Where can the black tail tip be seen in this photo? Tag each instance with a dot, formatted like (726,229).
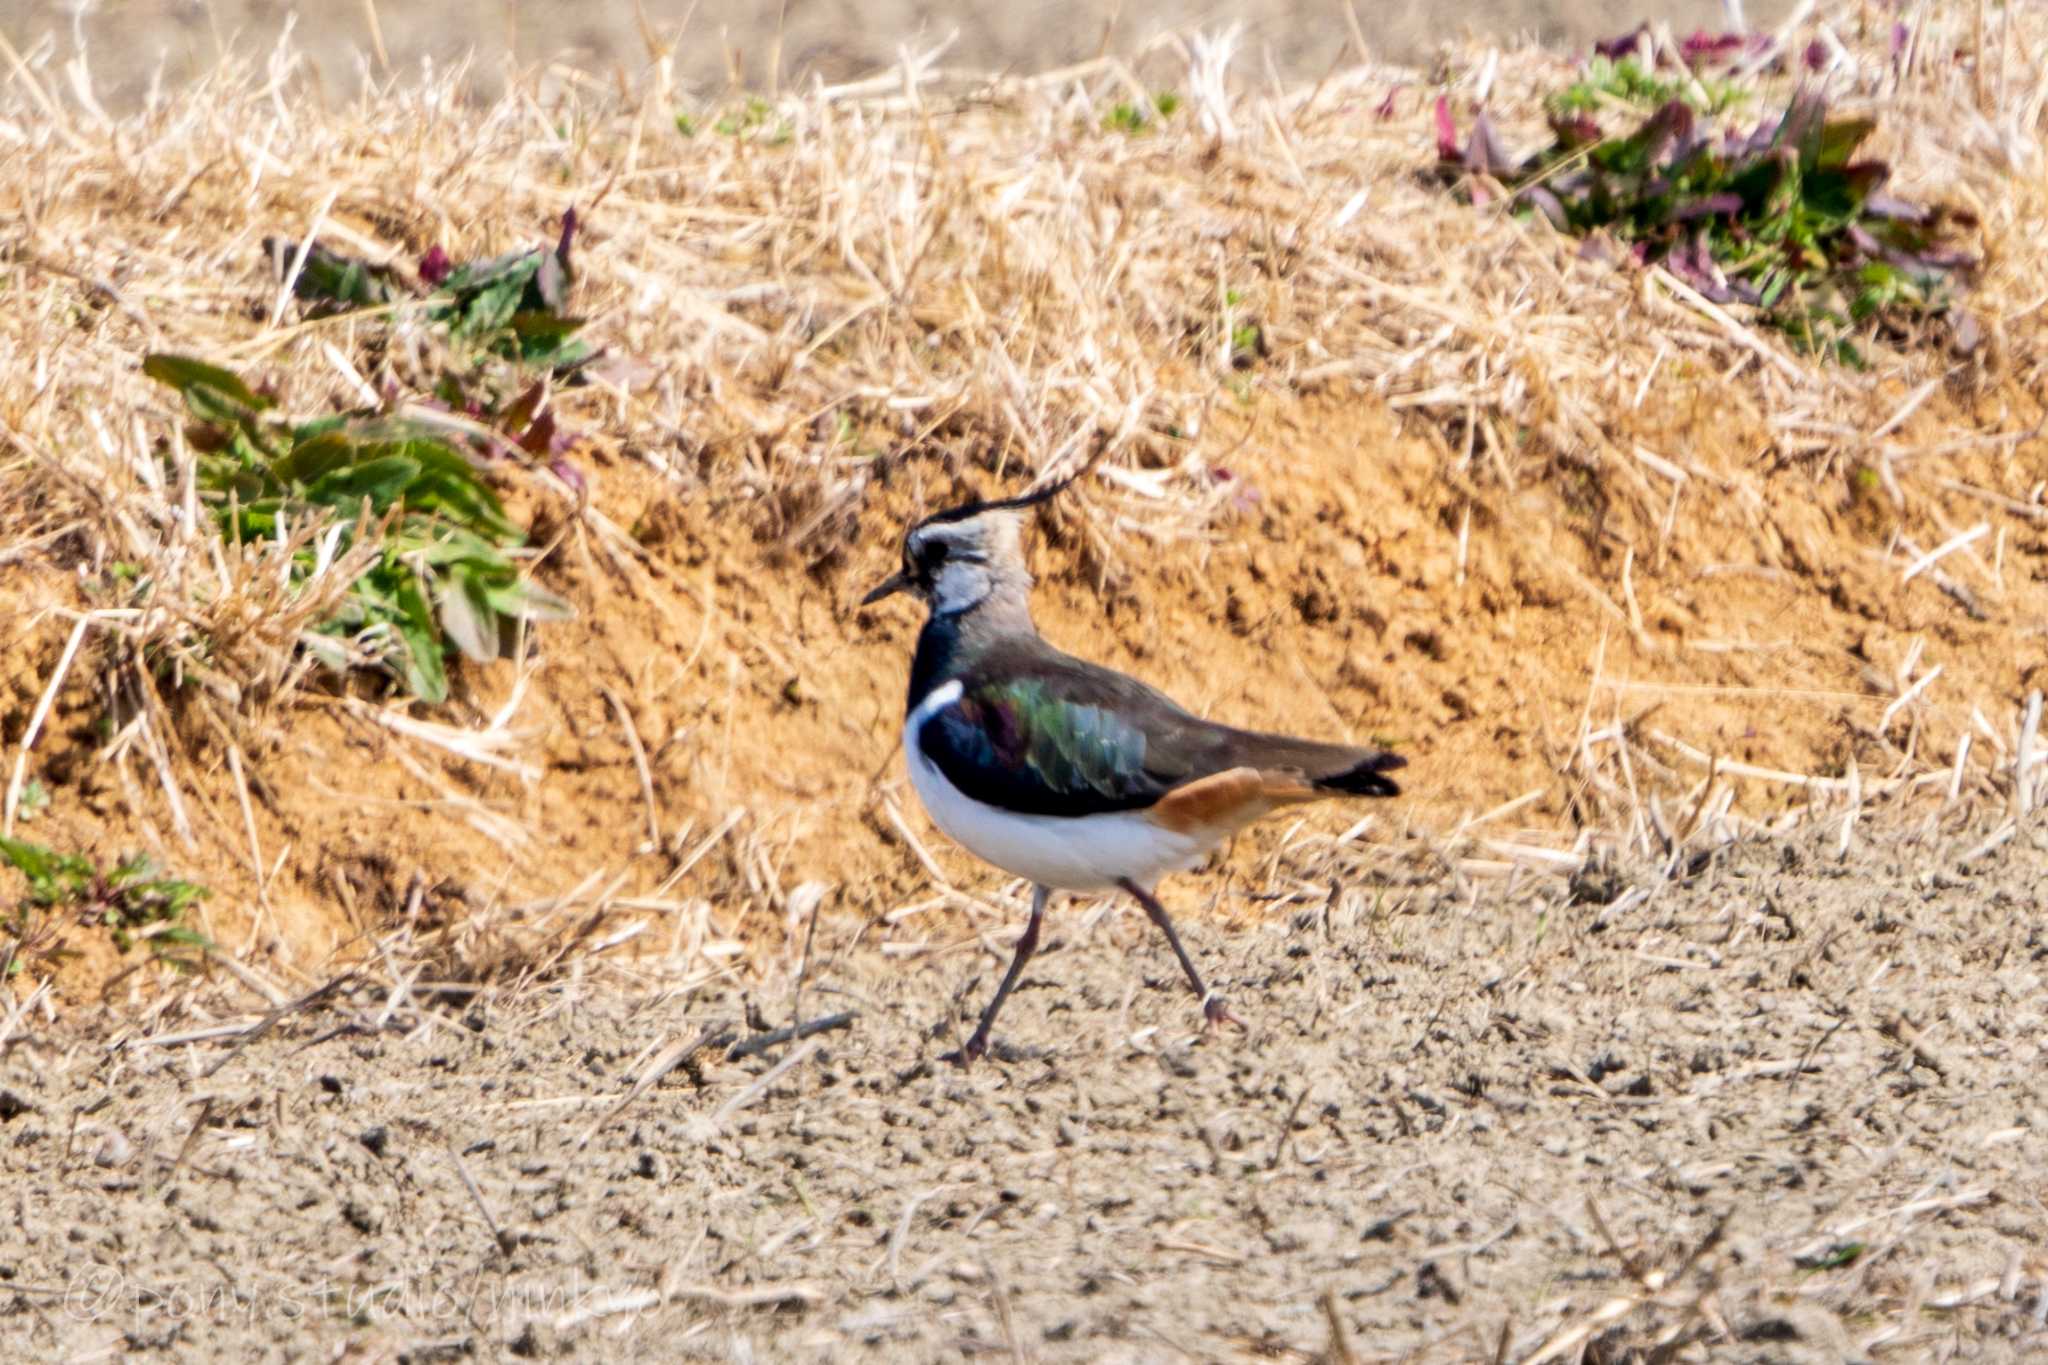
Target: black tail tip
(1366,779)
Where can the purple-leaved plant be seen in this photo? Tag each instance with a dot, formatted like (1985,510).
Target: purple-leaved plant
(1785,217)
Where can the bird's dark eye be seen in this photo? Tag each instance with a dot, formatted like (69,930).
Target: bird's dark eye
(925,556)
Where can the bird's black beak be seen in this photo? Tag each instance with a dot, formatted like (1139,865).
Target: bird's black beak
(894,584)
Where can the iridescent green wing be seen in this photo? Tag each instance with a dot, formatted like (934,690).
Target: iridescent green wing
(1045,746)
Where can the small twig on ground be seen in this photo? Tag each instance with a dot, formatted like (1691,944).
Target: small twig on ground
(901,1232)
(706,1129)
(1806,1062)
(242,973)
(639,752)
(1899,1030)
(1340,1335)
(1287,1128)
(2023,760)
(757,1297)
(1705,1245)
(1007,1320)
(664,1062)
(1626,1261)
(611,1306)
(1216,1254)
(761,1042)
(191,1138)
(507,1241)
(275,1017)
(803,966)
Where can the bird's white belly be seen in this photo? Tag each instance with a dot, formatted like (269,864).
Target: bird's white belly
(1067,853)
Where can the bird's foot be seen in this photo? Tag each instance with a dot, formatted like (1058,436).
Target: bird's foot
(1217,1014)
(971,1052)
(996,1052)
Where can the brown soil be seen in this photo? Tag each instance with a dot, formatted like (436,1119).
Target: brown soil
(1329,603)
(1370,570)
(1445,1107)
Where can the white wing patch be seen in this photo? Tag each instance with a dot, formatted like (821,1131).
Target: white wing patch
(935,701)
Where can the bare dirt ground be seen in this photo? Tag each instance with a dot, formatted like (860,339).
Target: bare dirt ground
(766,44)
(1790,1106)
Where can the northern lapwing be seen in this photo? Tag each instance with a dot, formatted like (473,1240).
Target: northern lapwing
(1066,773)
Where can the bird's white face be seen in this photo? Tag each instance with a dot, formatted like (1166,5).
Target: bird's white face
(953,566)
(949,565)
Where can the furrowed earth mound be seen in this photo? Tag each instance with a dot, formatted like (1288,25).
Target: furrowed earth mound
(1371,463)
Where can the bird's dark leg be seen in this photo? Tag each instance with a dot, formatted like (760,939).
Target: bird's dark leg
(1213,1008)
(1027,944)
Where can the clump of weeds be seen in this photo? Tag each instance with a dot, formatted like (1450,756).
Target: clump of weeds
(132,901)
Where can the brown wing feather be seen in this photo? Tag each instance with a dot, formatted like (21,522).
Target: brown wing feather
(1184,751)
(1228,800)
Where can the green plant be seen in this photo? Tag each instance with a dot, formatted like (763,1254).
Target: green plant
(445,575)
(1247,337)
(35,798)
(335,281)
(744,119)
(512,306)
(755,119)
(126,901)
(1784,219)
(515,305)
(1835,1256)
(1131,117)
(1605,82)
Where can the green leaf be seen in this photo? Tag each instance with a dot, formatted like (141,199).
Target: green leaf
(426,674)
(384,481)
(527,600)
(467,618)
(535,328)
(186,374)
(463,497)
(1834,1257)
(478,275)
(492,308)
(1853,184)
(256,520)
(1774,284)
(318,426)
(440,544)
(1839,140)
(316,454)
(36,863)
(330,277)
(131,870)
(231,412)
